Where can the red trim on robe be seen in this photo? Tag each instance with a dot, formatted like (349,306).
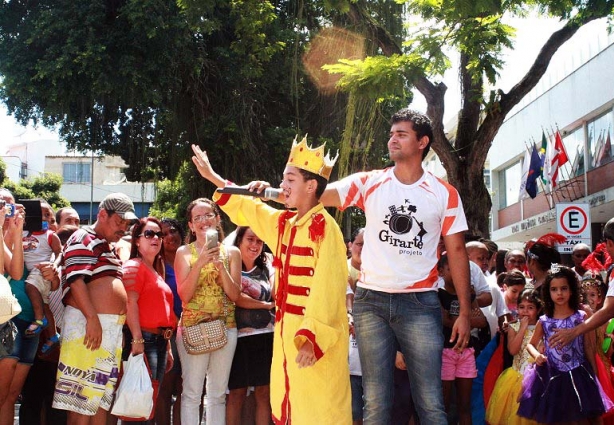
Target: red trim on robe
(312,338)
(224,198)
(303,251)
(294,309)
(300,271)
(282,296)
(298,290)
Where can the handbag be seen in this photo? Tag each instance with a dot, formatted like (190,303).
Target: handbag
(205,337)
(8,332)
(9,306)
(137,391)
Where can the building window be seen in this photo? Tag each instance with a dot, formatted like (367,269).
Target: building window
(509,185)
(600,140)
(574,145)
(76,172)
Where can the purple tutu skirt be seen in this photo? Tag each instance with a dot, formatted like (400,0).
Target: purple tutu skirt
(549,395)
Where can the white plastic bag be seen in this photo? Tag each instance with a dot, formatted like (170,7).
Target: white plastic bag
(134,397)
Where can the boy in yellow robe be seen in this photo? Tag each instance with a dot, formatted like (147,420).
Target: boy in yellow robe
(309,374)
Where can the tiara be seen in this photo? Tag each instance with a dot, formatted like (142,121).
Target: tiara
(555,268)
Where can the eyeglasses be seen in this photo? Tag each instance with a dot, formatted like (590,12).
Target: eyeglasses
(149,234)
(201,218)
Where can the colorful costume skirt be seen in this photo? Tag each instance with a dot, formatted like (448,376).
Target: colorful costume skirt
(503,404)
(545,389)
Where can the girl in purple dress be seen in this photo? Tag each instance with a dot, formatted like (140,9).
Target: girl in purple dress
(561,387)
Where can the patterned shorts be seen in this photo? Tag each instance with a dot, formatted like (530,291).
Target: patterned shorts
(86,379)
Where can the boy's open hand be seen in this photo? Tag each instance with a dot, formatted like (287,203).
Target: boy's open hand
(201,160)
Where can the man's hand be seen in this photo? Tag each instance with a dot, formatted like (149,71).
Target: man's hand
(259,185)
(306,357)
(50,273)
(461,332)
(399,361)
(93,333)
(562,337)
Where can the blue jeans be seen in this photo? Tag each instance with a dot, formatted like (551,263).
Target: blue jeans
(414,321)
(357,402)
(24,349)
(156,351)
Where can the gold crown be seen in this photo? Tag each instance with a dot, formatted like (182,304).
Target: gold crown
(311,159)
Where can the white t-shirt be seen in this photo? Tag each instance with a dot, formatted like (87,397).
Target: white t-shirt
(498,307)
(477,280)
(610,292)
(404,224)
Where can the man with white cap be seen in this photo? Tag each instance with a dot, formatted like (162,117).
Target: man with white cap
(94,316)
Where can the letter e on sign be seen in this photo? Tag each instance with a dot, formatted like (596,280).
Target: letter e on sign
(573,222)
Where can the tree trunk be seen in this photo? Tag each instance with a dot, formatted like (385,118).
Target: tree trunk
(468,179)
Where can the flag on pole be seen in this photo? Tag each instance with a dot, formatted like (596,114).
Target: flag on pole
(525,173)
(542,156)
(556,157)
(534,173)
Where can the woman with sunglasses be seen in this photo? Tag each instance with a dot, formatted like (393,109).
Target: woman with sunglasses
(150,317)
(208,282)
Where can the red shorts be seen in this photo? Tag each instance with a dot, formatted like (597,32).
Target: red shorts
(455,364)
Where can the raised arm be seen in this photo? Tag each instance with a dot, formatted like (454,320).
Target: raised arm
(13,246)
(201,160)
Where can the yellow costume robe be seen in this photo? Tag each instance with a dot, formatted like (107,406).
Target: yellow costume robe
(310,305)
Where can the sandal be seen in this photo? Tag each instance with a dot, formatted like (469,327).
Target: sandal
(36,327)
(50,344)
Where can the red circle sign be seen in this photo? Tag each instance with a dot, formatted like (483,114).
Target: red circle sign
(578,230)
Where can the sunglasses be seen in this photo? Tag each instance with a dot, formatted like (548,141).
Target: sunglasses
(149,234)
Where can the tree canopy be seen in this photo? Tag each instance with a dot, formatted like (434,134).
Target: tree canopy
(144,79)
(478,32)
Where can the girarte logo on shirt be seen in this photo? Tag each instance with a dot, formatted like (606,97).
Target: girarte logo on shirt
(400,221)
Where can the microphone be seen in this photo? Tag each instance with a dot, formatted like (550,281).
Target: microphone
(268,193)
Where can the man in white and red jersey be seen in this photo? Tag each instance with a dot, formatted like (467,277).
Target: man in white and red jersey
(94,316)
(406,209)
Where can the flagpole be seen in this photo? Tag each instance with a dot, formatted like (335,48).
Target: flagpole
(569,177)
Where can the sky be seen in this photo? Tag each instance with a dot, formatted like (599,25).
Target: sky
(12,132)
(531,35)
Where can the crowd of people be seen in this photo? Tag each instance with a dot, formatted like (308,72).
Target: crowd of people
(409,322)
